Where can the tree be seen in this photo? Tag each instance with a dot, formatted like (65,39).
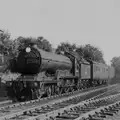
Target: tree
(115,62)
(5,43)
(5,50)
(87,51)
(90,52)
(65,46)
(44,44)
(41,43)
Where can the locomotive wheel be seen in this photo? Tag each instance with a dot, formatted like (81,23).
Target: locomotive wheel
(66,89)
(56,90)
(36,94)
(49,91)
(53,89)
(39,93)
(60,91)
(72,89)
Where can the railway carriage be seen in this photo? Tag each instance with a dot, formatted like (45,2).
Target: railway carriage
(45,74)
(100,72)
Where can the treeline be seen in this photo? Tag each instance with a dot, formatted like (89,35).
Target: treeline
(115,62)
(11,47)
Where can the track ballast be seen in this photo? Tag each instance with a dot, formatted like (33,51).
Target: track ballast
(31,108)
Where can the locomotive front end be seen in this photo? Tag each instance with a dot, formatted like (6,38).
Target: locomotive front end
(28,61)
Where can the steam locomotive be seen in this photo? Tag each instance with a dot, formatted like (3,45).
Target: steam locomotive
(46,74)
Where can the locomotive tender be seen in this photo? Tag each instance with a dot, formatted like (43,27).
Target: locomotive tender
(45,74)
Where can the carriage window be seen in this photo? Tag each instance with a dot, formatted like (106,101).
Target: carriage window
(98,68)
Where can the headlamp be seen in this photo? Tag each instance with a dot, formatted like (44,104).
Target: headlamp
(28,49)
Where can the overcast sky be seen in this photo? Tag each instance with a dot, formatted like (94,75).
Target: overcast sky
(96,22)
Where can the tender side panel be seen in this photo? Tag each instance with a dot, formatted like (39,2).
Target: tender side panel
(85,71)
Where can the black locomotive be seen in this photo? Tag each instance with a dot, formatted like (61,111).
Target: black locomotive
(45,74)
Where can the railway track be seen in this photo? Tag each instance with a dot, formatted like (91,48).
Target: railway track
(27,110)
(86,110)
(9,102)
(5,102)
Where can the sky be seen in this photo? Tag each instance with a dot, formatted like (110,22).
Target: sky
(95,22)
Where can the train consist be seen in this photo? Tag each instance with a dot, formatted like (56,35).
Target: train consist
(45,74)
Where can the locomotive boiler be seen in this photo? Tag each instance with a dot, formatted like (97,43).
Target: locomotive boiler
(32,60)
